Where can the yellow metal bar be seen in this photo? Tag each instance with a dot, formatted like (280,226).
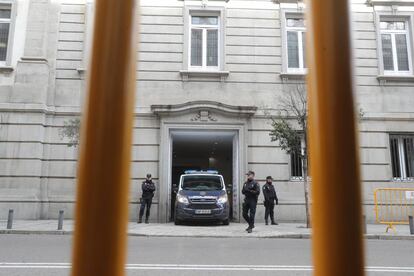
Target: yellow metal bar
(393,205)
(376,205)
(336,195)
(407,208)
(387,207)
(390,204)
(381,206)
(401,217)
(103,176)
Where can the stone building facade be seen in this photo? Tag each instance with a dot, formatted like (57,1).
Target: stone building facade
(209,74)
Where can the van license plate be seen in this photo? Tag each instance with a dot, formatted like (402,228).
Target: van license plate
(203,211)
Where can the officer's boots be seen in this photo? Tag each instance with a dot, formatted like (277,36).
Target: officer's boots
(146,220)
(140,220)
(273,222)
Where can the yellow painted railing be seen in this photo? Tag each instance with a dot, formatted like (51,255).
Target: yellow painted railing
(393,206)
(105,145)
(336,219)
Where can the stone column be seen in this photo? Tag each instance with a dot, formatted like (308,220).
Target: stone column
(32,82)
(32,71)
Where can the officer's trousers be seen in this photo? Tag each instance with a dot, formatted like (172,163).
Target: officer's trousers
(145,202)
(249,210)
(269,210)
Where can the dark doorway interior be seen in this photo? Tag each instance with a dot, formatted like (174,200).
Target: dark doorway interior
(202,150)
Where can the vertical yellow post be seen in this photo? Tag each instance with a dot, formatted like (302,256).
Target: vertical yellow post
(336,195)
(376,205)
(103,176)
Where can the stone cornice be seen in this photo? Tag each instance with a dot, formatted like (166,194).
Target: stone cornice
(163,110)
(6,69)
(287,1)
(34,59)
(38,108)
(390,2)
(186,74)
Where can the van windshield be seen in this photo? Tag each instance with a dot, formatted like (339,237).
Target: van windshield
(202,183)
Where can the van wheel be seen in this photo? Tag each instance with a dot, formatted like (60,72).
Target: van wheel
(226,222)
(177,221)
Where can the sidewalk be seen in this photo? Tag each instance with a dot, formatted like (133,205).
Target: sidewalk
(234,230)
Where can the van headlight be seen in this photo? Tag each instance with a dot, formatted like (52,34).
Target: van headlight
(222,199)
(182,199)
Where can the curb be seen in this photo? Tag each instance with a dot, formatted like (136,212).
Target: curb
(387,237)
(277,236)
(36,232)
(281,236)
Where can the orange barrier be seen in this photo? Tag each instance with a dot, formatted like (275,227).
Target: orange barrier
(393,206)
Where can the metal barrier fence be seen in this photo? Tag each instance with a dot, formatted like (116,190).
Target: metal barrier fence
(393,206)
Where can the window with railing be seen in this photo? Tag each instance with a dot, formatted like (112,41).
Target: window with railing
(296,166)
(402,156)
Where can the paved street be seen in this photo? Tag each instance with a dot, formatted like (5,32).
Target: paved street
(50,255)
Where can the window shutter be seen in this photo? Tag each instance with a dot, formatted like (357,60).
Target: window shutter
(402,53)
(395,157)
(5,16)
(409,154)
(212,48)
(293,49)
(304,48)
(387,52)
(196,47)
(4,40)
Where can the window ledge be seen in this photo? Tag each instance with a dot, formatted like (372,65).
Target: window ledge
(6,69)
(214,0)
(81,70)
(299,179)
(286,1)
(390,2)
(29,59)
(397,78)
(408,179)
(186,74)
(292,76)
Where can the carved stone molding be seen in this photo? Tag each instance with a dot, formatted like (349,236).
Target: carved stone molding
(203,116)
(201,107)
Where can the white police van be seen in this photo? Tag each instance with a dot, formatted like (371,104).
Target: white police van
(201,196)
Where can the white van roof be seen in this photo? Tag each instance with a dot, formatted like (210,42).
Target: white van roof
(201,172)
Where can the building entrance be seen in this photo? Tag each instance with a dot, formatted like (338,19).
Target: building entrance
(202,150)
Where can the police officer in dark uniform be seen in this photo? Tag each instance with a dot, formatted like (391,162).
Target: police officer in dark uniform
(148,189)
(251,191)
(270,198)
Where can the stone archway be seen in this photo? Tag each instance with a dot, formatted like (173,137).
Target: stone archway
(201,116)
